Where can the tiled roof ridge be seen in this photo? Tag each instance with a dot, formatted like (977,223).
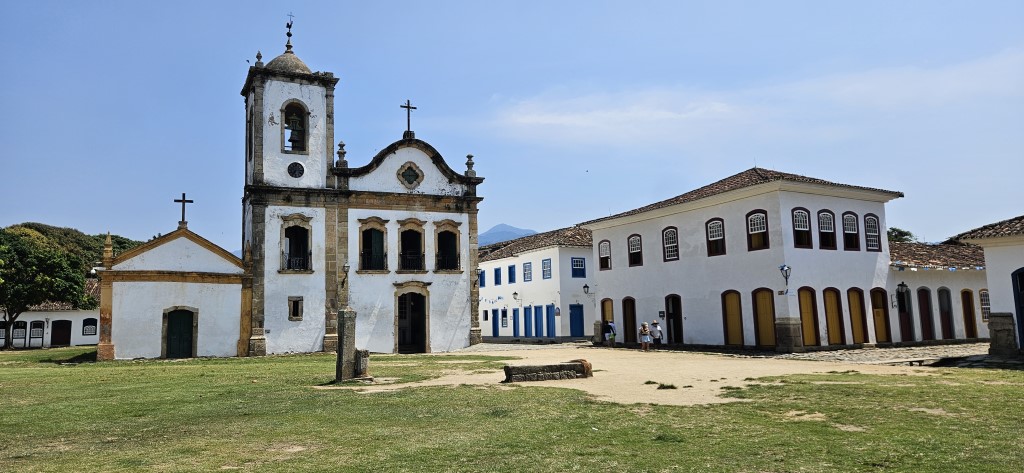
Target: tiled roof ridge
(936,255)
(748,178)
(567,236)
(1008,227)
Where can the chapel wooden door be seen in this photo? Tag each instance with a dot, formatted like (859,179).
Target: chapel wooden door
(179,334)
(412,323)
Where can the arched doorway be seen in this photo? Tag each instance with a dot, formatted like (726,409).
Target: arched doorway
(412,323)
(60,333)
(924,310)
(967,306)
(858,320)
(179,337)
(764,317)
(808,316)
(905,307)
(880,314)
(1017,278)
(674,318)
(834,317)
(946,313)
(629,320)
(732,318)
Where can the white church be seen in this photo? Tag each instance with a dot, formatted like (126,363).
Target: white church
(393,239)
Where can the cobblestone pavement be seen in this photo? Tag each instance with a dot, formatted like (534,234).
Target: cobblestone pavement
(960,355)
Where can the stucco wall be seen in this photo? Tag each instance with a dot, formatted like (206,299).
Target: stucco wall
(284,335)
(562,290)
(180,254)
(933,280)
(138,309)
(77,318)
(316,159)
(373,295)
(700,280)
(385,177)
(1000,263)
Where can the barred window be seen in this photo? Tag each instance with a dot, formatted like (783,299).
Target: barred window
(986,304)
(89,326)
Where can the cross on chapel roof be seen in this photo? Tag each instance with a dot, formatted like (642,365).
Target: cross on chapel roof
(183,223)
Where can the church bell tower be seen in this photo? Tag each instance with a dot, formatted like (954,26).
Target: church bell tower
(289,135)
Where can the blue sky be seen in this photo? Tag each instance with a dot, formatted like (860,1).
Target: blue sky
(574,109)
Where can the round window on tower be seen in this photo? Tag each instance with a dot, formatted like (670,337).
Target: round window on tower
(295,170)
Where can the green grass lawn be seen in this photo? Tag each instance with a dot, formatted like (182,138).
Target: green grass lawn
(265,414)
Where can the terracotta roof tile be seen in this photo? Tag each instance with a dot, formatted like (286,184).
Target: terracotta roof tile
(944,255)
(571,236)
(1009,227)
(748,178)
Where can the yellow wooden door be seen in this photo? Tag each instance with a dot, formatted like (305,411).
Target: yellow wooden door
(607,310)
(808,317)
(857,322)
(733,319)
(833,317)
(879,313)
(764,313)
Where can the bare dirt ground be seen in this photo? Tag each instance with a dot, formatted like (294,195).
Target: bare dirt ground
(620,374)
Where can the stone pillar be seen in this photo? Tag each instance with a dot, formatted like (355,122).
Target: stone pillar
(598,336)
(346,365)
(1002,335)
(105,348)
(789,337)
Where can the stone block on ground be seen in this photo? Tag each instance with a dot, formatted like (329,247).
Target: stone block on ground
(568,370)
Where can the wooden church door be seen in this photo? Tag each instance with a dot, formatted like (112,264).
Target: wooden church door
(412,323)
(179,334)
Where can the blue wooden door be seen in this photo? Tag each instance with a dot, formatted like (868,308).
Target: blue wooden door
(494,322)
(551,320)
(528,320)
(515,322)
(538,320)
(576,320)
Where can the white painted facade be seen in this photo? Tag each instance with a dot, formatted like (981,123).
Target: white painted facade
(1004,261)
(561,291)
(46,320)
(933,281)
(701,280)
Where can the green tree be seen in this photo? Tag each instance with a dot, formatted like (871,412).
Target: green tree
(900,235)
(33,271)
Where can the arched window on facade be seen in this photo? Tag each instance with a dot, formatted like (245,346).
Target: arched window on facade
(872,233)
(802,228)
(447,245)
(851,232)
(670,243)
(636,250)
(715,236)
(826,230)
(410,245)
(757,230)
(604,255)
(373,254)
(294,128)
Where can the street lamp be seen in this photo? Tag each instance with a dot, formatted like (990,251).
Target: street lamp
(515,295)
(586,289)
(786,270)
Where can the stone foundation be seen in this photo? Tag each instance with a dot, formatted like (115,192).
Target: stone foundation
(568,370)
(789,337)
(1002,334)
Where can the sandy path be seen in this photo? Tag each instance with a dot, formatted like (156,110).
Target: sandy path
(619,374)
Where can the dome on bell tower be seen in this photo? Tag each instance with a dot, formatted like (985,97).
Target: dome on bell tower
(288,61)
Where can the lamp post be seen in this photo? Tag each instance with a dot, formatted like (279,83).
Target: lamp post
(586,289)
(786,270)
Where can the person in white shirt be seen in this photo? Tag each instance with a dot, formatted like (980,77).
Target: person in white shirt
(656,334)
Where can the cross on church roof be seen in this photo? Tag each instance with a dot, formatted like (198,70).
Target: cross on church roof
(183,201)
(408,119)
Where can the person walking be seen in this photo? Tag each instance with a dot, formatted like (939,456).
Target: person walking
(645,337)
(656,334)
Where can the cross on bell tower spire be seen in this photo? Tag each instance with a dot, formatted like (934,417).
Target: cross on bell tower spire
(288,45)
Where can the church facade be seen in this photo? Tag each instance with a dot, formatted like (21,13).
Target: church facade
(393,240)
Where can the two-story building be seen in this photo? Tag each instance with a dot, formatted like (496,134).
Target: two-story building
(537,287)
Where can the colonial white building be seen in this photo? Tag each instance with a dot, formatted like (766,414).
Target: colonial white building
(537,287)
(394,240)
(937,292)
(56,324)
(1004,257)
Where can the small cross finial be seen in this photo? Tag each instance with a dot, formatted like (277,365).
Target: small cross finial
(469,166)
(408,119)
(183,201)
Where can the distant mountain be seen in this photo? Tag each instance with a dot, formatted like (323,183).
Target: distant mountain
(502,232)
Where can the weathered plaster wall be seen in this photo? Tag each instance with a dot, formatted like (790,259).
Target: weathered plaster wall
(385,177)
(316,159)
(138,309)
(180,254)
(934,280)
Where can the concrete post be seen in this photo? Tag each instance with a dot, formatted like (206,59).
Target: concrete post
(1002,335)
(346,365)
